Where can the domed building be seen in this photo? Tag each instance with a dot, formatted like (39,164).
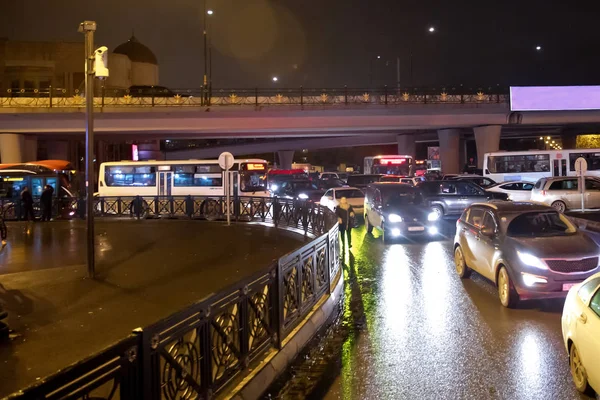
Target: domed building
(132,64)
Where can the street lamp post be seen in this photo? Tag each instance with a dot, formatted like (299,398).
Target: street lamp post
(204,36)
(88,28)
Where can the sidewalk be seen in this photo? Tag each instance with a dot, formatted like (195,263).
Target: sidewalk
(146,270)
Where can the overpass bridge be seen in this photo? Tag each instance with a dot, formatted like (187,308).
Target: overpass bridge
(360,116)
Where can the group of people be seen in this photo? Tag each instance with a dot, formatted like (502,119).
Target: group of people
(45,203)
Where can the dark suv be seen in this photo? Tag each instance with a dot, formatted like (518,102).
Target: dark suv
(453,197)
(362,181)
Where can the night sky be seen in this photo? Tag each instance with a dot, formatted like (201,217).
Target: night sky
(333,42)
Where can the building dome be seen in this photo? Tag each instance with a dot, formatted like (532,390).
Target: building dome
(136,51)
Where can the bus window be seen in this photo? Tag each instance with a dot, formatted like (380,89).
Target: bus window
(52,182)
(197,175)
(130,176)
(37,186)
(253,177)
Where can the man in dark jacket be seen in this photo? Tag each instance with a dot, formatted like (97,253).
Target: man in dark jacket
(27,203)
(46,203)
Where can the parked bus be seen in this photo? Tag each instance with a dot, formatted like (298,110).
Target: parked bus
(535,164)
(389,165)
(181,178)
(36,175)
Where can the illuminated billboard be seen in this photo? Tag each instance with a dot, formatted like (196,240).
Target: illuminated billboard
(554,98)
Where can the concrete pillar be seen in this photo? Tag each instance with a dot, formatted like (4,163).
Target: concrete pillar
(406,145)
(58,150)
(462,152)
(286,158)
(31,149)
(449,149)
(12,148)
(487,139)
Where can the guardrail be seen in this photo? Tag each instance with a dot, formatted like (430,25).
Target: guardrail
(257,97)
(196,352)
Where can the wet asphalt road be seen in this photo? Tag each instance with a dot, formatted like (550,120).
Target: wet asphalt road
(419,332)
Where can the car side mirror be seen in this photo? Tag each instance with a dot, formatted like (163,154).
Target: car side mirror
(488,231)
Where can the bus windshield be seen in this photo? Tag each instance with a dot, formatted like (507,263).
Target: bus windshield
(397,169)
(253,177)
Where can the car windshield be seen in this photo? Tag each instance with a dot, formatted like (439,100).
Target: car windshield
(349,194)
(547,223)
(402,196)
(304,186)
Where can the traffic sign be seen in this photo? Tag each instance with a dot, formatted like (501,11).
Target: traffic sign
(226,160)
(581,166)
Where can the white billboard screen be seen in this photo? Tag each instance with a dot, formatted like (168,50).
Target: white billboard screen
(554,98)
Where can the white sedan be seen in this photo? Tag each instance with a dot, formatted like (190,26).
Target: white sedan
(355,197)
(516,191)
(581,333)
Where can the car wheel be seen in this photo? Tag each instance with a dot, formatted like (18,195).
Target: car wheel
(506,291)
(460,264)
(368,224)
(578,371)
(559,206)
(438,210)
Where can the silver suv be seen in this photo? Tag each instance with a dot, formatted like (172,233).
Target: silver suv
(563,193)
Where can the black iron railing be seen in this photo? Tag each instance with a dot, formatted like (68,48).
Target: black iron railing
(257,97)
(196,352)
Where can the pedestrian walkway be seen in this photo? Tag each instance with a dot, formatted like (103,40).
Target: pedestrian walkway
(146,271)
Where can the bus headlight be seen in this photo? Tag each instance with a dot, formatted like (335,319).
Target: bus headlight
(394,218)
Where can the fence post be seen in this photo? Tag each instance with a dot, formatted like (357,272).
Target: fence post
(256,97)
(102,93)
(276,211)
(346,94)
(385,93)
(152,92)
(50,95)
(302,96)
(279,295)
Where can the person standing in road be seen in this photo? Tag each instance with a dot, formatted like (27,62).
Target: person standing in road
(345,214)
(46,203)
(27,202)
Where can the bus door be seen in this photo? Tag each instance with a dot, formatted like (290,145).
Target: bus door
(234,190)
(164,183)
(559,166)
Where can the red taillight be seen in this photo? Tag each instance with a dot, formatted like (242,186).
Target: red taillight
(543,192)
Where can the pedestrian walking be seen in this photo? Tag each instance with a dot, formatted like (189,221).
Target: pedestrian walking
(27,202)
(345,214)
(46,203)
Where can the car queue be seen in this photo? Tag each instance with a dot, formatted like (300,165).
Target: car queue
(512,233)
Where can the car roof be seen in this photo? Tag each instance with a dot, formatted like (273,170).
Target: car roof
(387,185)
(514,206)
(346,188)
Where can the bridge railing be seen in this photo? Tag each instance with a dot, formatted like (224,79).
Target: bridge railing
(198,351)
(257,97)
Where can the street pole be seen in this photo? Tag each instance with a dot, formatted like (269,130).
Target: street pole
(398,73)
(205,80)
(88,28)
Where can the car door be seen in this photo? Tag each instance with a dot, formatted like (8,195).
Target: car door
(592,193)
(470,231)
(485,246)
(327,199)
(469,194)
(588,339)
(449,196)
(376,211)
(524,192)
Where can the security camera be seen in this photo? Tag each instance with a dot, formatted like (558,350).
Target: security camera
(101,62)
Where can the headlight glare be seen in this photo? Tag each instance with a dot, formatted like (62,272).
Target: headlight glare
(394,218)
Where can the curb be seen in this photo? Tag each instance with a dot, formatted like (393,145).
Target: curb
(276,362)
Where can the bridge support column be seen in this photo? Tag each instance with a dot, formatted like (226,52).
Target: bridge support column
(30,149)
(58,150)
(12,148)
(487,139)
(568,140)
(449,150)
(406,145)
(286,158)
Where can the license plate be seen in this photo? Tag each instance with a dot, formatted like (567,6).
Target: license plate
(416,228)
(568,286)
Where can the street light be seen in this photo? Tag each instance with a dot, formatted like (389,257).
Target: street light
(205,37)
(209,12)
(431,29)
(275,79)
(538,48)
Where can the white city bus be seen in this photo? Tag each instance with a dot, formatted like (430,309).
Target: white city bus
(181,178)
(389,165)
(503,166)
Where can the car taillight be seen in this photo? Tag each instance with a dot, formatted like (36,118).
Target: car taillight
(543,192)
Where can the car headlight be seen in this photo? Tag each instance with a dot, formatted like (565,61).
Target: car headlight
(433,216)
(394,218)
(274,187)
(303,196)
(531,260)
